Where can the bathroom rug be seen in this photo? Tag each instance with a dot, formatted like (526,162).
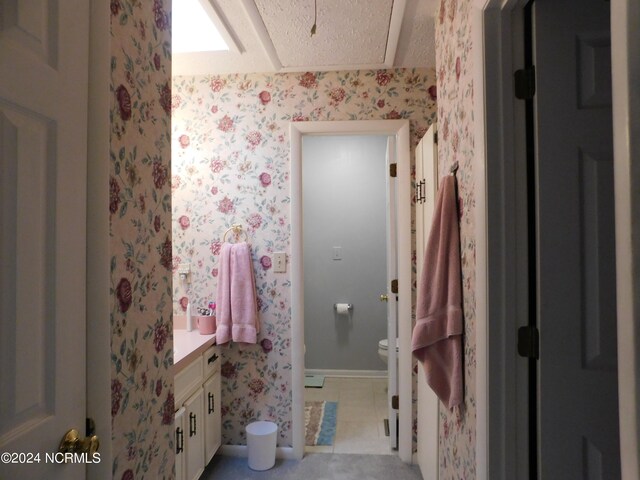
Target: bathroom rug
(320,422)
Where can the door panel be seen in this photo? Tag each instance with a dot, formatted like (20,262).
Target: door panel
(43,117)
(578,402)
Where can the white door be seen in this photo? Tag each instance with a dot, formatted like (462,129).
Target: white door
(43,118)
(578,401)
(426,193)
(392,300)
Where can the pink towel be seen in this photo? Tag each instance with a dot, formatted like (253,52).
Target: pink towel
(437,335)
(223,296)
(236,304)
(244,307)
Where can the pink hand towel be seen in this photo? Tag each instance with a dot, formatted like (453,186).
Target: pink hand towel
(437,335)
(223,296)
(244,306)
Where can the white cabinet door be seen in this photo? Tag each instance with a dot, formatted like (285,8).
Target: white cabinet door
(212,432)
(180,443)
(426,192)
(194,435)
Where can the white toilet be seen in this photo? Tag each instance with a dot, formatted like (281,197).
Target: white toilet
(383,349)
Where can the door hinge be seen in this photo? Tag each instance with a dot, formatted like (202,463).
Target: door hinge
(435,137)
(90,427)
(395,402)
(525,83)
(529,342)
(393,170)
(394,286)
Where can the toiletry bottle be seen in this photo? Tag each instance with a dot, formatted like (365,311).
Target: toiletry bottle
(189,321)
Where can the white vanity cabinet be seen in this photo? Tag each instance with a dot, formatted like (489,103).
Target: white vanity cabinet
(197,428)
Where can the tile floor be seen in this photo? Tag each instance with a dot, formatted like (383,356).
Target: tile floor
(362,408)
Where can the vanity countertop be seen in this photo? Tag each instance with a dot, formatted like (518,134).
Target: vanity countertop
(188,345)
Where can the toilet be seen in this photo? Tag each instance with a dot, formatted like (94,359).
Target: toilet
(383,349)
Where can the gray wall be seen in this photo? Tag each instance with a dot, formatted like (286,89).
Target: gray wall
(344,204)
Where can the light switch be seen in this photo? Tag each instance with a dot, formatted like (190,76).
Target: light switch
(279,262)
(337,253)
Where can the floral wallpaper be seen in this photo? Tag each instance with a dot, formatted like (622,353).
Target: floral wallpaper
(142,401)
(230,151)
(457,444)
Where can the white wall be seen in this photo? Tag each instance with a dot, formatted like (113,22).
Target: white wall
(344,196)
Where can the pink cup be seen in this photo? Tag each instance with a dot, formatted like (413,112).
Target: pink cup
(206,324)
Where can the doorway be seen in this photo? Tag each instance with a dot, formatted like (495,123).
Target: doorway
(346,273)
(399,129)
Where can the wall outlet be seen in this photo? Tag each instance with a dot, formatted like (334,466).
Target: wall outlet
(337,253)
(279,262)
(184,271)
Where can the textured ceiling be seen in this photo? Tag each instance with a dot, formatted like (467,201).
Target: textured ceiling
(416,45)
(350,33)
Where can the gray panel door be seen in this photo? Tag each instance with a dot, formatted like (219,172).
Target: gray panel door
(578,401)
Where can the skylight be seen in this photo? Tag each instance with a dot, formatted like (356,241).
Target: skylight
(193,30)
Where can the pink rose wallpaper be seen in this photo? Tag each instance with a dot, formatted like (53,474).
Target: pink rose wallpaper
(142,401)
(457,445)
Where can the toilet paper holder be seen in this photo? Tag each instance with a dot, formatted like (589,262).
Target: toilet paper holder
(349,306)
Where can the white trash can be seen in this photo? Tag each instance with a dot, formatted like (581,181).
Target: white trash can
(261,442)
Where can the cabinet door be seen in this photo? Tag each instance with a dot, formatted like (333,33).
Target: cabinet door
(212,431)
(180,443)
(427,165)
(194,435)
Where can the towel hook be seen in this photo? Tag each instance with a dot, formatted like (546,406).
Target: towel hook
(454,168)
(236,228)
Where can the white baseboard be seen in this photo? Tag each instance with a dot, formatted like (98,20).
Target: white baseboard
(285,453)
(347,373)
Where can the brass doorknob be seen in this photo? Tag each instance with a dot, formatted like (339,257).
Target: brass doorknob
(72,443)
(384,298)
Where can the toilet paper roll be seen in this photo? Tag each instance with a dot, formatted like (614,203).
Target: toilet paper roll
(342,308)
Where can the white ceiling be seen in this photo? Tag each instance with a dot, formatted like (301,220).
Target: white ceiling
(274,35)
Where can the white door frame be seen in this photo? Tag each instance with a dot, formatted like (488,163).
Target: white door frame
(98,356)
(625,48)
(500,415)
(399,128)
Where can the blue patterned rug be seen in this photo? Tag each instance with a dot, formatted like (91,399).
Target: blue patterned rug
(320,422)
